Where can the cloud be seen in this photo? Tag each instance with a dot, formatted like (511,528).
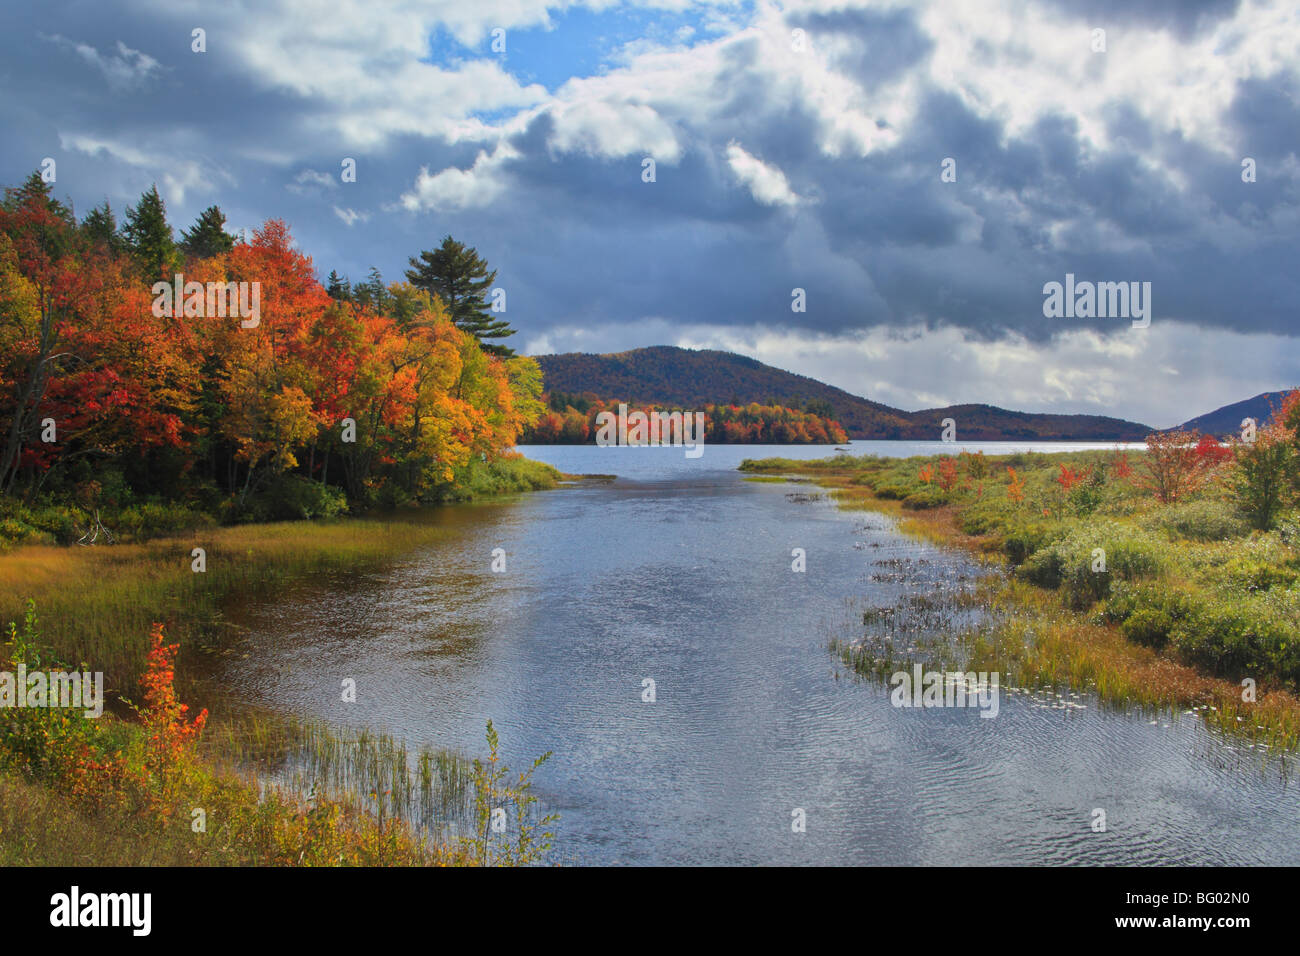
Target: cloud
(311,181)
(454,188)
(125,70)
(767,183)
(178,176)
(816,168)
(351,216)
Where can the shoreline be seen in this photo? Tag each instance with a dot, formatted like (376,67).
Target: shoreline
(1042,642)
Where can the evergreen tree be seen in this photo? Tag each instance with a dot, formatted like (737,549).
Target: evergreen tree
(338,288)
(459,277)
(372,293)
(208,236)
(149,237)
(36,189)
(100,228)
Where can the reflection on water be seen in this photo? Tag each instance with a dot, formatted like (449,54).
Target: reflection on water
(680,572)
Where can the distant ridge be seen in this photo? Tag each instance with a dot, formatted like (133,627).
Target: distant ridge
(667,375)
(1228,419)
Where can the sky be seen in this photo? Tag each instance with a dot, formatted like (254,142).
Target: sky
(919,170)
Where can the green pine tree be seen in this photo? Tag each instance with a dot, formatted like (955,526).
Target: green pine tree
(208,236)
(459,277)
(372,294)
(338,288)
(100,228)
(149,237)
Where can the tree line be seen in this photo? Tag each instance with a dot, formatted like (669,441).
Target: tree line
(571,420)
(377,392)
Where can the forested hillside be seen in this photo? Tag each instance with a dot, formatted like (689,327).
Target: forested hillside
(686,378)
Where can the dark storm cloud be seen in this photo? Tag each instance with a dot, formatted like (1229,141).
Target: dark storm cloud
(1184,18)
(884,44)
(579,238)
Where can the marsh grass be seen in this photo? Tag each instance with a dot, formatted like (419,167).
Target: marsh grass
(1040,637)
(97,604)
(428,789)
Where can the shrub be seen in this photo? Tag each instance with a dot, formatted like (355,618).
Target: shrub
(892,492)
(156,519)
(1129,598)
(924,499)
(1203,521)
(1171,468)
(981,519)
(1149,626)
(1024,539)
(976,465)
(509,474)
(1244,638)
(294,498)
(1071,563)
(1085,494)
(1253,574)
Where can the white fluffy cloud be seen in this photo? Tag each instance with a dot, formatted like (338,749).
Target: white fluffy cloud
(767,183)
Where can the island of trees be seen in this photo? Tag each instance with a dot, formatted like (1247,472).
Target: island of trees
(571,420)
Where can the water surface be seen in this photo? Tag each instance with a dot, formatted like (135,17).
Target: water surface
(680,571)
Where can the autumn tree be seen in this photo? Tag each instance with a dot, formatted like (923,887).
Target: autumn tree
(38,287)
(460,277)
(1171,469)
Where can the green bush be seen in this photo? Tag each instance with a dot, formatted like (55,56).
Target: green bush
(1023,539)
(1288,530)
(925,499)
(1203,521)
(13,531)
(1128,598)
(892,492)
(983,518)
(293,497)
(1069,563)
(1251,637)
(58,524)
(1252,574)
(1149,626)
(501,476)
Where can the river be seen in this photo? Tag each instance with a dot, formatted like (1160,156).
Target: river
(680,572)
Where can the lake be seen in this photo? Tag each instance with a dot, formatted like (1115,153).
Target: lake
(680,572)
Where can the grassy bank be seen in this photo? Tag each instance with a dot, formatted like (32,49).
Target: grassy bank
(255,790)
(81,791)
(1147,603)
(98,602)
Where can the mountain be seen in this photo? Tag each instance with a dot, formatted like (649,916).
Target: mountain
(1228,419)
(688,378)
